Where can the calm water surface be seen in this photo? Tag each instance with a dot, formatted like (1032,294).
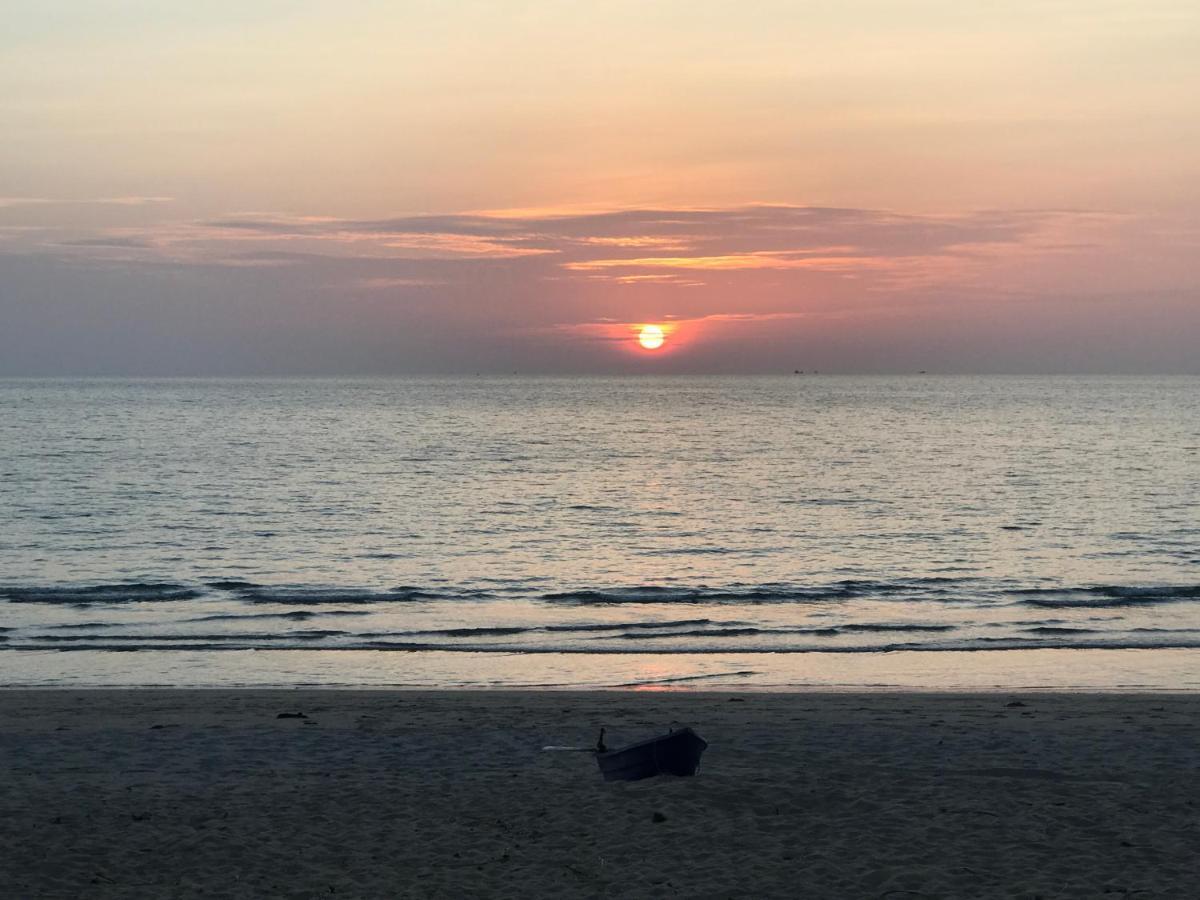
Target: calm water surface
(593,531)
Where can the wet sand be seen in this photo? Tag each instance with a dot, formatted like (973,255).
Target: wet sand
(155,793)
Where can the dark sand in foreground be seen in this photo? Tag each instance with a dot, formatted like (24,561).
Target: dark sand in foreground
(163,793)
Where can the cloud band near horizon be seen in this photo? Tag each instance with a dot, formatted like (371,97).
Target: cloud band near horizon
(551,290)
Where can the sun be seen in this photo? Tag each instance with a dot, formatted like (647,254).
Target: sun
(651,337)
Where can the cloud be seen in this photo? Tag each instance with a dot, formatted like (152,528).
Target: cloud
(607,244)
(132,200)
(385,283)
(759,255)
(767,259)
(747,288)
(424,237)
(11,202)
(113,241)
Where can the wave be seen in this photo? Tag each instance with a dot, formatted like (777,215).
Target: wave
(935,589)
(315,596)
(819,631)
(1106,596)
(146,638)
(132,592)
(940,589)
(483,631)
(705,551)
(241,643)
(293,615)
(744,594)
(248,592)
(744,673)
(833,501)
(644,631)
(704,632)
(641,629)
(621,626)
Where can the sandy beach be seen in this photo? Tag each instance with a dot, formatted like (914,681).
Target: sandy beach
(156,793)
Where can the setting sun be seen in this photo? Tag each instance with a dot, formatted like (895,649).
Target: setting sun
(651,337)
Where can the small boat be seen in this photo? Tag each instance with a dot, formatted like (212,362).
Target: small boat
(676,753)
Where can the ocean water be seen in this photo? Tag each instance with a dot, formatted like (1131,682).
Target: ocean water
(600,531)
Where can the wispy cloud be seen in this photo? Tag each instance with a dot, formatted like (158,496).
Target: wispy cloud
(608,244)
(116,241)
(758,257)
(767,259)
(10,202)
(387,284)
(742,288)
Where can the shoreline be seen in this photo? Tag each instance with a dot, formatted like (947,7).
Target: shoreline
(1031,669)
(442,793)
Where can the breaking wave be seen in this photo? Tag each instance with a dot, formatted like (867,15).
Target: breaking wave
(522,616)
(1106,596)
(134,592)
(953,590)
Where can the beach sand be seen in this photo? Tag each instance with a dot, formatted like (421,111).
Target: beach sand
(170,793)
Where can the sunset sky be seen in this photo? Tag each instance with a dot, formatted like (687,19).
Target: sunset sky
(311,187)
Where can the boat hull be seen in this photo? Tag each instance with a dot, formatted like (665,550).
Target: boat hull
(677,753)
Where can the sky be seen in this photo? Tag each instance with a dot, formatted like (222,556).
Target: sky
(285,187)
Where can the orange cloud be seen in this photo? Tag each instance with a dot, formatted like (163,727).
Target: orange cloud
(765,259)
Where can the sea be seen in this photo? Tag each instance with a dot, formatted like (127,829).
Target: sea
(918,532)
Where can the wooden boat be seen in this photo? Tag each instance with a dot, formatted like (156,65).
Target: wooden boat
(676,753)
